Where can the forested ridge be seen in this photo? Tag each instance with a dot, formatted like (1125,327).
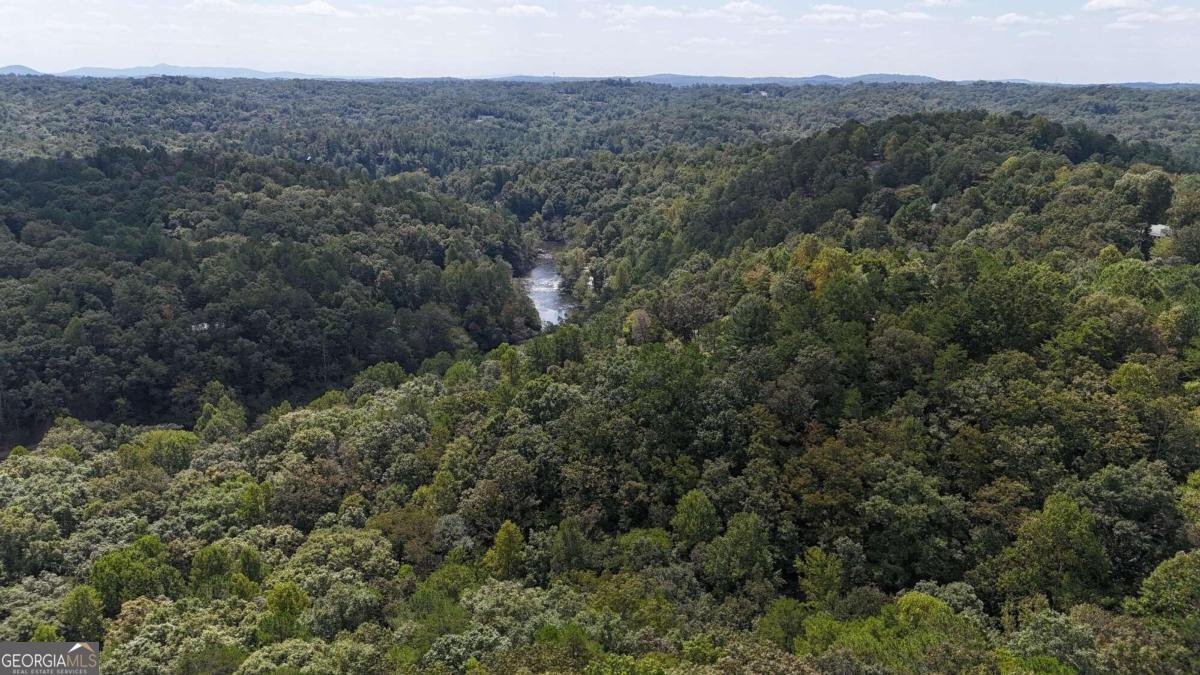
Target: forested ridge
(917,395)
(444,126)
(132,278)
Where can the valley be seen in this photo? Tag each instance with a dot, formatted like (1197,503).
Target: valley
(606,377)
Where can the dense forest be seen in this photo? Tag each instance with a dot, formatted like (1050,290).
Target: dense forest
(444,126)
(131,278)
(916,394)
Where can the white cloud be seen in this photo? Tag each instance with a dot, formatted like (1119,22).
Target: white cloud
(1016,19)
(524,10)
(708,41)
(445,10)
(737,11)
(1013,18)
(319,8)
(832,14)
(625,13)
(430,12)
(746,8)
(1167,15)
(311,8)
(1103,5)
(1141,17)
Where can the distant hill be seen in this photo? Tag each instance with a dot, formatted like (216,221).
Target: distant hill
(551,78)
(670,79)
(18,70)
(165,69)
(871,78)
(676,80)
(1159,85)
(1125,85)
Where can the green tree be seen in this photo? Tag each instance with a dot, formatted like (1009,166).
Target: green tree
(1156,194)
(570,549)
(1057,553)
(1187,242)
(751,320)
(1170,597)
(211,659)
(168,450)
(910,636)
(1189,499)
(1050,634)
(913,531)
(1136,516)
(820,577)
(46,633)
(782,622)
(286,603)
(695,520)
(27,542)
(210,572)
(221,416)
(133,571)
(81,613)
(506,558)
(742,554)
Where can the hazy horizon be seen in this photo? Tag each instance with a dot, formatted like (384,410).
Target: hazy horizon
(285,72)
(1068,41)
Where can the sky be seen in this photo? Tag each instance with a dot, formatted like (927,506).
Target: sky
(1079,41)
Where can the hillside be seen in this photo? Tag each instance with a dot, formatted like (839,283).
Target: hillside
(677,80)
(130,279)
(917,395)
(168,70)
(18,70)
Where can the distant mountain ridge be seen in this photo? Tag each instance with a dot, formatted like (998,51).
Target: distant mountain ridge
(18,70)
(870,78)
(168,70)
(670,79)
(677,80)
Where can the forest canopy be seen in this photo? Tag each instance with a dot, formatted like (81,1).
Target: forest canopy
(388,127)
(909,395)
(131,278)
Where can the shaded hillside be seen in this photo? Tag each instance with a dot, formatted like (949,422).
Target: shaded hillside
(130,279)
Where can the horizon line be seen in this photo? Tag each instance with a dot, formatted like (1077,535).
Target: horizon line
(298,75)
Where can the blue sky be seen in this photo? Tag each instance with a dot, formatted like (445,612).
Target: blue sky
(1054,40)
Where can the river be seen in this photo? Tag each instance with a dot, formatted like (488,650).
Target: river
(543,285)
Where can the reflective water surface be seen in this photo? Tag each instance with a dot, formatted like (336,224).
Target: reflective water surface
(543,287)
